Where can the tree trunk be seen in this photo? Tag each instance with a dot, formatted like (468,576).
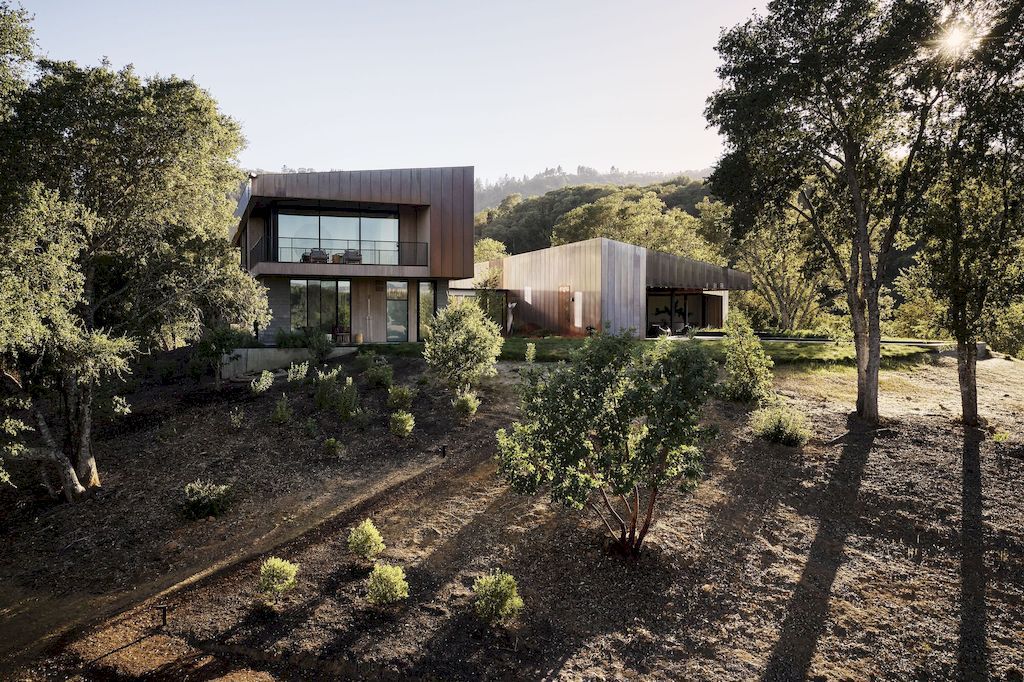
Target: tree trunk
(88,474)
(967,369)
(69,479)
(869,404)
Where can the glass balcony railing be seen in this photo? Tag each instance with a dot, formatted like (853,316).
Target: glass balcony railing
(350,252)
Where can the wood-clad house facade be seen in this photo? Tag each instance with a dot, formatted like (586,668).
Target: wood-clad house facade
(601,282)
(365,256)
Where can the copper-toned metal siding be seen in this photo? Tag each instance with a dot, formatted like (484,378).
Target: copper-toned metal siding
(447,191)
(675,272)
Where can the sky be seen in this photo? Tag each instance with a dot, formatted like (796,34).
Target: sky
(507,87)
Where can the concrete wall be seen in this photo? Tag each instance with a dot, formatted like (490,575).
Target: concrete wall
(255,360)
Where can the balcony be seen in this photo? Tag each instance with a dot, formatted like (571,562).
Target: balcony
(342,252)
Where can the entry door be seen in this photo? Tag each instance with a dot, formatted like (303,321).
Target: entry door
(564,308)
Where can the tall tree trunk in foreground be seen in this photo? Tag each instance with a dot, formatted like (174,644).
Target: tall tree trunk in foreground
(967,370)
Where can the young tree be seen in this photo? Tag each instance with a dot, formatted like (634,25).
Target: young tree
(973,229)
(462,345)
(488,249)
(748,369)
(826,108)
(610,430)
(146,169)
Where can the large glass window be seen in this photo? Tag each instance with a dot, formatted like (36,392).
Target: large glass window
(296,235)
(379,240)
(339,233)
(426,308)
(340,239)
(398,311)
(321,304)
(659,314)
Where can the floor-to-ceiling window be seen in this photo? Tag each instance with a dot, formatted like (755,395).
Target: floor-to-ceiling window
(341,238)
(321,304)
(659,314)
(426,307)
(397,311)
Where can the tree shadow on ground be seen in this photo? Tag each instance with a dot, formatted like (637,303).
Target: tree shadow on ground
(808,606)
(972,655)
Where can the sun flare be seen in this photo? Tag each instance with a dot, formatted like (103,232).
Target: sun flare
(956,40)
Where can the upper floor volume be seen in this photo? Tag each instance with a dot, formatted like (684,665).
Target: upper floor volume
(411,222)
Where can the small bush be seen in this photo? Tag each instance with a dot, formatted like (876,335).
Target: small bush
(365,540)
(277,576)
(780,424)
(237,417)
(400,397)
(1001,437)
(334,447)
(366,360)
(462,345)
(386,585)
(380,375)
(310,427)
(263,383)
(466,404)
(319,345)
(748,369)
(203,499)
(531,352)
(496,597)
(282,412)
(401,423)
(347,400)
(297,371)
(290,339)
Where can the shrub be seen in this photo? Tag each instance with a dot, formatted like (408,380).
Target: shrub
(236,416)
(364,540)
(780,424)
(203,499)
(310,427)
(748,374)
(285,338)
(366,360)
(400,397)
(462,345)
(215,343)
(625,413)
(402,423)
(347,400)
(466,404)
(282,412)
(386,585)
(120,406)
(334,447)
(277,576)
(496,597)
(318,344)
(1001,437)
(380,375)
(297,371)
(531,352)
(263,383)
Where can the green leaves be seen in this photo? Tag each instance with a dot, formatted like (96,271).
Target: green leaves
(614,417)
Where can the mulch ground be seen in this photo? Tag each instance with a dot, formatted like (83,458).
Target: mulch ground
(892,552)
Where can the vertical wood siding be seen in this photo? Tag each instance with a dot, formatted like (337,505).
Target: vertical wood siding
(448,192)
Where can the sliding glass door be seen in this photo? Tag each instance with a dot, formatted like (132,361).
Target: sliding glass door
(324,304)
(397,311)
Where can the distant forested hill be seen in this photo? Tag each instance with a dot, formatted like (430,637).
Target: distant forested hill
(575,212)
(489,195)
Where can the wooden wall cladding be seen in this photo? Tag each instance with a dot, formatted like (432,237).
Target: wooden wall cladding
(447,191)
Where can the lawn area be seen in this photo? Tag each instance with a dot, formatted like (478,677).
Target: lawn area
(555,348)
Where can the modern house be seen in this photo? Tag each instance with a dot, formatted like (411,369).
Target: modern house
(570,288)
(365,256)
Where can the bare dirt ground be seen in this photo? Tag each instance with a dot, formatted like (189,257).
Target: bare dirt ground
(886,553)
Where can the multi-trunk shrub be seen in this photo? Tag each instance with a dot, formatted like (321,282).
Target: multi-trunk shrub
(748,369)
